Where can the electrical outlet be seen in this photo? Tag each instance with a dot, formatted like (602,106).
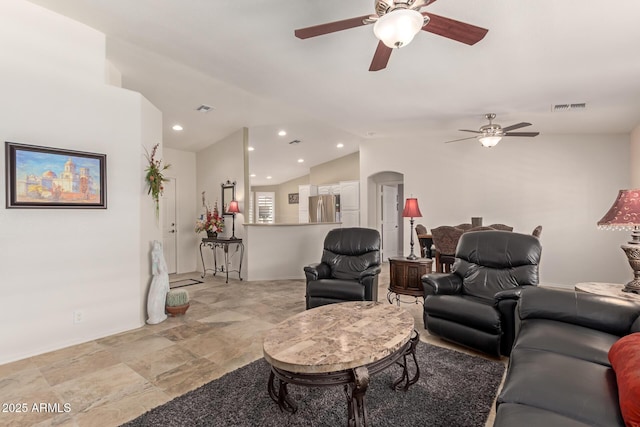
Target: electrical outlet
(78,316)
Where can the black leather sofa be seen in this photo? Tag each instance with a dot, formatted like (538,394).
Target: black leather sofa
(559,372)
(348,270)
(474,305)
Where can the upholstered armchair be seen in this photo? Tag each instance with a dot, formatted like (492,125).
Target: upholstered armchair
(464,226)
(501,227)
(425,242)
(348,270)
(474,305)
(537,231)
(445,239)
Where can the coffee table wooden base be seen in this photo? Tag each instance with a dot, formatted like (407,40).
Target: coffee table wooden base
(355,381)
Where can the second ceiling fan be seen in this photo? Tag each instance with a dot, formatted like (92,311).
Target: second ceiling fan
(489,135)
(396,22)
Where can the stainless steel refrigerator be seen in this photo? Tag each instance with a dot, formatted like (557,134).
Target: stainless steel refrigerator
(324,208)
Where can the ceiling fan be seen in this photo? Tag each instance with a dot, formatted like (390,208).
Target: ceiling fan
(396,22)
(492,133)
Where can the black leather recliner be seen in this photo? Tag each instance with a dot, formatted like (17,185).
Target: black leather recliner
(349,268)
(474,305)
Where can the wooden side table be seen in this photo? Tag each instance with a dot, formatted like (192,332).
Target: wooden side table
(607,289)
(405,277)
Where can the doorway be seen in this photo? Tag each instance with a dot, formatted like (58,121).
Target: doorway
(385,193)
(389,224)
(169,225)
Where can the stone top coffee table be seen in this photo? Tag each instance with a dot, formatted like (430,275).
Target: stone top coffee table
(340,344)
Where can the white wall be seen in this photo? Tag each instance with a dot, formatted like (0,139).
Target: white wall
(183,169)
(222,161)
(563,182)
(280,252)
(55,261)
(635,157)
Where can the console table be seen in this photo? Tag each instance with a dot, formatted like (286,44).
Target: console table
(215,243)
(405,277)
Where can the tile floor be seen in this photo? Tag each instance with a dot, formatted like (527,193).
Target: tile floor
(112,380)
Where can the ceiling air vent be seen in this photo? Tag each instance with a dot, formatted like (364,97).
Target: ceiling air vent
(295,141)
(204,108)
(568,107)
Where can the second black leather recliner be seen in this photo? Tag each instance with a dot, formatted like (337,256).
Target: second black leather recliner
(474,305)
(349,268)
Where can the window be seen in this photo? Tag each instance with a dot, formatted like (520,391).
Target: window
(265,202)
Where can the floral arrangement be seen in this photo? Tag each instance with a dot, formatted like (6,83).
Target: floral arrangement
(211,220)
(155,178)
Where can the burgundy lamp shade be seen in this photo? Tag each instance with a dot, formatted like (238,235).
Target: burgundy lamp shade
(233,207)
(625,212)
(411,208)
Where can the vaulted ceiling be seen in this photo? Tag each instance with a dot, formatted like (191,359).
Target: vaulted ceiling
(242,59)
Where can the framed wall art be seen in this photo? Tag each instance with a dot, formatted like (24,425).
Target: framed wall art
(44,177)
(294,198)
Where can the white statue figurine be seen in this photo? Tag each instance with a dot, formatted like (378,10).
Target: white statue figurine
(159,286)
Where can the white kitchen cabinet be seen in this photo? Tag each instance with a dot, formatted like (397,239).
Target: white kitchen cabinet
(349,195)
(350,203)
(329,189)
(350,218)
(324,189)
(304,192)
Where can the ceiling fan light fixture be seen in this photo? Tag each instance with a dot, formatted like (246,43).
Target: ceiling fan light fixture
(397,28)
(489,140)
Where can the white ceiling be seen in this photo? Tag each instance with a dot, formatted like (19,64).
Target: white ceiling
(242,58)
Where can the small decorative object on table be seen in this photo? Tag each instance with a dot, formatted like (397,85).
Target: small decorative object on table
(210,221)
(155,178)
(177,302)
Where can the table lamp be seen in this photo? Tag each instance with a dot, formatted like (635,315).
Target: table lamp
(625,215)
(411,210)
(233,209)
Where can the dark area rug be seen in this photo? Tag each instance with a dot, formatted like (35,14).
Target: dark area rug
(183,282)
(454,389)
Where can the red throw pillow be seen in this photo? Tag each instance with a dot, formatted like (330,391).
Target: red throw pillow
(624,356)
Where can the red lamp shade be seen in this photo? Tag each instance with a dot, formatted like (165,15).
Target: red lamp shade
(233,207)
(625,212)
(411,208)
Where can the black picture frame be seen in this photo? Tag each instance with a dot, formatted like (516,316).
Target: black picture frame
(228,194)
(54,178)
(294,198)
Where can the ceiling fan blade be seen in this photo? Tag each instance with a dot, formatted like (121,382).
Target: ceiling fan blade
(522,134)
(380,58)
(461,139)
(419,4)
(454,30)
(467,130)
(331,27)
(516,126)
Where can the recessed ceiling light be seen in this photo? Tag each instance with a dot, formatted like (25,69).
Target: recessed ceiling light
(177,127)
(250,148)
(300,160)
(282,133)
(253,175)
(269,177)
(340,145)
